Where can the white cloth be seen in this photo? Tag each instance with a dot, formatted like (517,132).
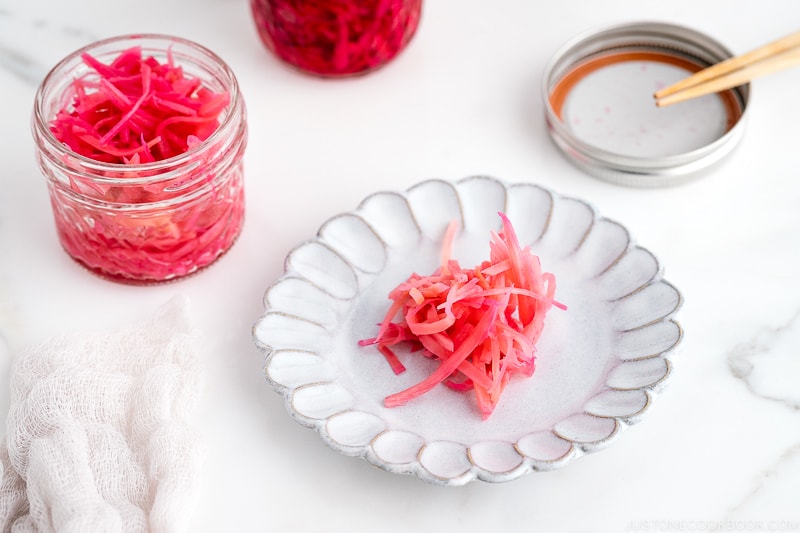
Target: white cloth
(98,433)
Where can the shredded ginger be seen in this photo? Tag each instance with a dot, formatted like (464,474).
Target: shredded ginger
(482,324)
(335,37)
(137,110)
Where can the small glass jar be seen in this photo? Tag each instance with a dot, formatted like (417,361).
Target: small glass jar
(149,222)
(334,38)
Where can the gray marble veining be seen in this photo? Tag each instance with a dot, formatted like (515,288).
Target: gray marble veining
(769,363)
(23,44)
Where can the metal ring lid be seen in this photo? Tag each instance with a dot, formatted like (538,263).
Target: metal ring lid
(598,95)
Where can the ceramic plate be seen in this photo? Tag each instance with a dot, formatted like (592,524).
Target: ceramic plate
(599,363)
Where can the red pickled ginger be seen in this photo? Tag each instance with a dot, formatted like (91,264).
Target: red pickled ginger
(482,323)
(137,110)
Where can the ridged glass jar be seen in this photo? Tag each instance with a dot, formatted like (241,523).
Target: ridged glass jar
(148,222)
(334,38)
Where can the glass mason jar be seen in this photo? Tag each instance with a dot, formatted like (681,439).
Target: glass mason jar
(336,37)
(154,221)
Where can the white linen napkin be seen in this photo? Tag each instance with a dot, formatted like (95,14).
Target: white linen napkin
(98,437)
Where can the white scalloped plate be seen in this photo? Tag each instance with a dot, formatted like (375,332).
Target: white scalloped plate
(599,363)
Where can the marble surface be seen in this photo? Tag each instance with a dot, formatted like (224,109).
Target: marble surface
(720,450)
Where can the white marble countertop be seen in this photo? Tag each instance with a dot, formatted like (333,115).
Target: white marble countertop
(721,447)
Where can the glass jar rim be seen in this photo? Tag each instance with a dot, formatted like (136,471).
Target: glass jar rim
(151,168)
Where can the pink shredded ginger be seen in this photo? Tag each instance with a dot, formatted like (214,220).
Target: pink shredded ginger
(336,37)
(481,323)
(137,110)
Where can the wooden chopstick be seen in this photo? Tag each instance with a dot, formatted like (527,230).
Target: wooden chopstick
(772,57)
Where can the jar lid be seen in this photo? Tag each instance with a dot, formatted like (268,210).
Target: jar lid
(600,111)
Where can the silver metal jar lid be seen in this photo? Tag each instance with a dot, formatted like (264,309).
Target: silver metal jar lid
(598,95)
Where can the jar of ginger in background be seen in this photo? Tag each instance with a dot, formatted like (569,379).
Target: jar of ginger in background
(336,37)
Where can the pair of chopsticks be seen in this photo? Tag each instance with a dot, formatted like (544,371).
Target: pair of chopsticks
(772,57)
